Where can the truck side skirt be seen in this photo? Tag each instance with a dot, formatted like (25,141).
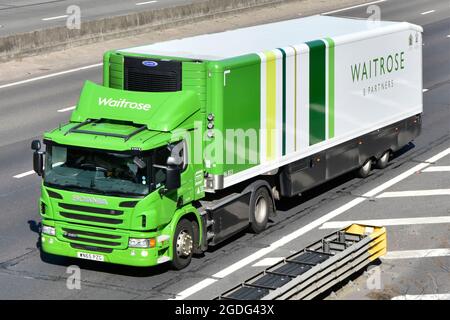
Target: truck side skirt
(320,167)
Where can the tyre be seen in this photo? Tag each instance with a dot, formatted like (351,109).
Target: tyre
(261,207)
(384,160)
(183,244)
(364,171)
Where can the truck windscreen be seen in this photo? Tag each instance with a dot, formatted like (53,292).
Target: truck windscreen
(95,171)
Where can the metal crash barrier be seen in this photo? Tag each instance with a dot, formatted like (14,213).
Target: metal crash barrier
(315,269)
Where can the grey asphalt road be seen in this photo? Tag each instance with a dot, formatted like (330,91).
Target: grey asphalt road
(27,110)
(18,16)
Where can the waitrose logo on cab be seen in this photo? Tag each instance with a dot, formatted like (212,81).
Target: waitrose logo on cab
(123,104)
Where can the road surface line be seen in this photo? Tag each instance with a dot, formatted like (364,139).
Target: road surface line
(414,254)
(436,296)
(354,7)
(195,288)
(425,90)
(312,225)
(415,193)
(21,175)
(427,12)
(267,262)
(67,109)
(50,75)
(387,222)
(437,169)
(146,2)
(55,18)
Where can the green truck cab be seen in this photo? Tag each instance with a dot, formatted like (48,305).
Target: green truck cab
(120,183)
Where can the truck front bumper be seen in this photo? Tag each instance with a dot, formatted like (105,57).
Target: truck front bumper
(130,256)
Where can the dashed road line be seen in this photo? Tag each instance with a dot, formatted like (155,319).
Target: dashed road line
(415,254)
(354,7)
(146,2)
(436,296)
(387,222)
(67,109)
(55,18)
(437,169)
(415,193)
(195,288)
(311,226)
(50,75)
(267,262)
(427,12)
(21,175)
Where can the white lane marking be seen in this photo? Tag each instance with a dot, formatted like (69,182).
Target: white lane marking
(427,12)
(407,173)
(436,296)
(297,233)
(448,36)
(146,2)
(195,288)
(354,7)
(415,254)
(437,169)
(415,193)
(67,109)
(425,90)
(267,262)
(387,222)
(50,75)
(55,18)
(21,175)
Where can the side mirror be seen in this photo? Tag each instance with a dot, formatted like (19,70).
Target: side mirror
(36,145)
(38,162)
(173,177)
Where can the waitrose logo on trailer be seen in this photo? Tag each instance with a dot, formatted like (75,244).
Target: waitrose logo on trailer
(378,66)
(123,104)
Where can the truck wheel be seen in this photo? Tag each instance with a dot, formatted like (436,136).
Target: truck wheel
(384,160)
(261,206)
(183,244)
(365,169)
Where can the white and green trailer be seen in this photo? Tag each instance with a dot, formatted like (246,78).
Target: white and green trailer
(209,131)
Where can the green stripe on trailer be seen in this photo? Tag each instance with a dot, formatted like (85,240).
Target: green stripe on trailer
(317,120)
(284,102)
(331,69)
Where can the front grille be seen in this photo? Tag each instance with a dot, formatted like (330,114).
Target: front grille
(83,217)
(70,236)
(90,233)
(91,248)
(90,209)
(103,239)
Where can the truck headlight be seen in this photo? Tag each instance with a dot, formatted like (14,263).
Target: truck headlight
(141,243)
(48,230)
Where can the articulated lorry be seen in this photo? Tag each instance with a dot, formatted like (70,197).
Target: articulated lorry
(188,142)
